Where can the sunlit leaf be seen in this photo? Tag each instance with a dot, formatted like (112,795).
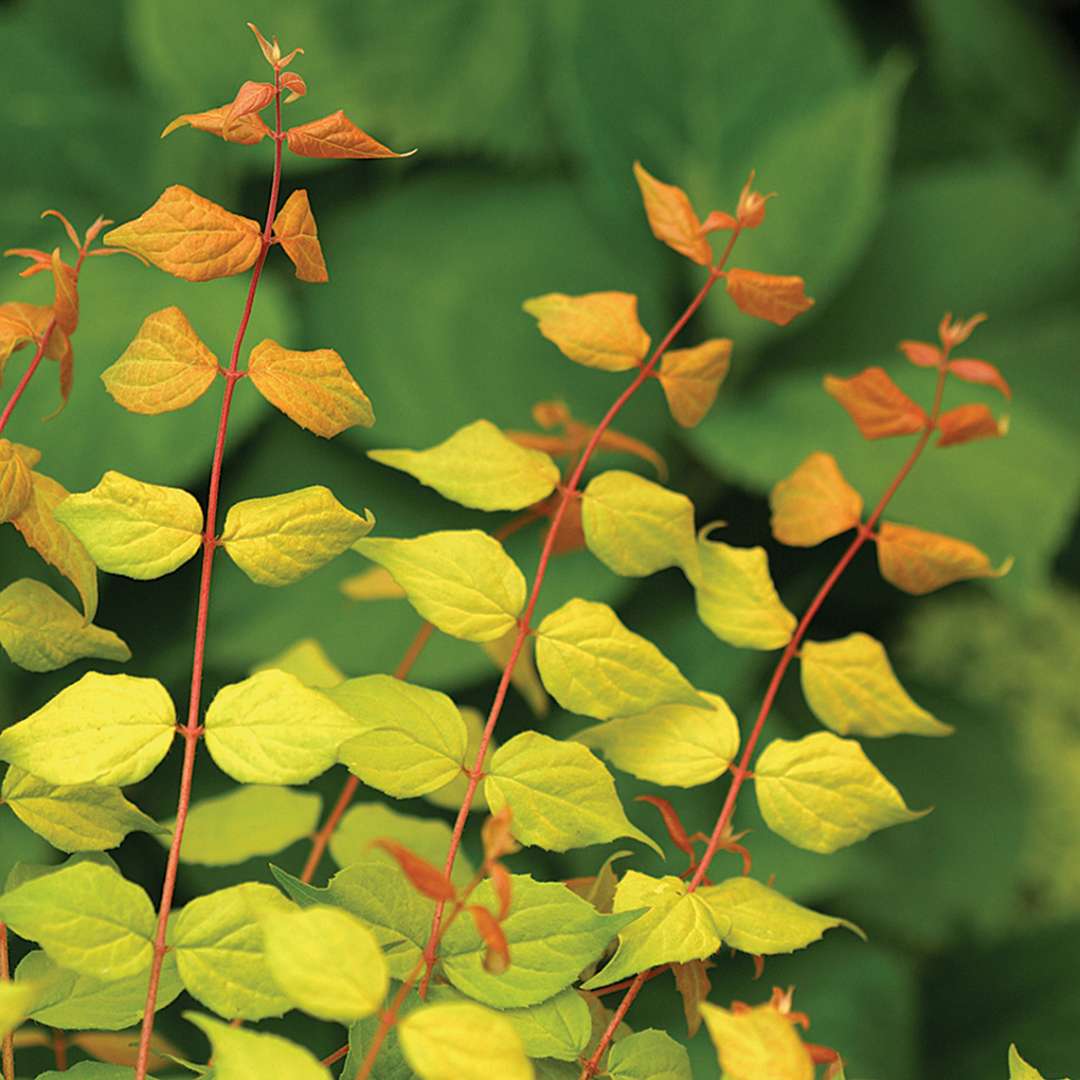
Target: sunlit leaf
(295,230)
(599,330)
(17,1001)
(255,1055)
(756,1043)
(920,562)
(452,795)
(249,130)
(773,297)
(462,1041)
(16,486)
(878,406)
(814,503)
(335,136)
(672,218)
(691,379)
(648,1055)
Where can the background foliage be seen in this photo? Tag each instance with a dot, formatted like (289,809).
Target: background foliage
(927,157)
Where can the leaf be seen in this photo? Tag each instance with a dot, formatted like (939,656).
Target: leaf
(591,664)
(66,302)
(282,538)
(822,793)
(425,878)
(814,503)
(672,745)
(920,562)
(878,406)
(763,921)
(190,237)
(253,1055)
(41,631)
(221,955)
(966,423)
(248,130)
(635,527)
(271,729)
(648,1055)
(141,531)
(981,373)
(736,598)
(253,820)
(327,963)
(452,795)
(462,1042)
(1019,1069)
(672,218)
(692,982)
(56,545)
(335,136)
(86,917)
(295,230)
(312,388)
(598,330)
(558,1028)
(407,740)
(252,97)
(756,1043)
(850,687)
(552,933)
(676,926)
(691,379)
(103,729)
(559,794)
(461,580)
(479,467)
(17,1001)
(307,660)
(79,817)
(773,297)
(166,366)
(16,486)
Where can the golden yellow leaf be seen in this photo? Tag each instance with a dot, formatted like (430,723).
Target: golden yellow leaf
(190,237)
(814,503)
(376,583)
(599,330)
(15,484)
(691,378)
(672,218)
(773,297)
(756,1043)
(298,235)
(877,405)
(920,562)
(165,367)
(313,388)
(248,130)
(19,325)
(336,136)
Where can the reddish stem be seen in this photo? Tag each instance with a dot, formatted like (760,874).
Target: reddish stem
(337,1055)
(524,623)
(59,1041)
(192,730)
(8,1052)
(24,382)
(386,1022)
(742,770)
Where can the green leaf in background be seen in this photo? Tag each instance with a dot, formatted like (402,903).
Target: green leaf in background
(307,660)
(92,1070)
(558,1028)
(252,1055)
(648,1055)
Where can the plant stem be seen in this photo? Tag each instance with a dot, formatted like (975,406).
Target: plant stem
(8,1052)
(59,1042)
(742,770)
(191,730)
(569,492)
(24,382)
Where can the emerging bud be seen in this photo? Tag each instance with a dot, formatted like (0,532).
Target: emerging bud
(751,209)
(956,333)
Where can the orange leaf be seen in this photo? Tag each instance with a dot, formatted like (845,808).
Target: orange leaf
(692,982)
(19,325)
(615,440)
(571,534)
(191,237)
(295,229)
(497,836)
(15,483)
(966,423)
(497,957)
(717,220)
(425,878)
(251,98)
(672,218)
(773,297)
(921,353)
(295,84)
(39,261)
(336,136)
(72,235)
(920,562)
(599,330)
(814,503)
(247,130)
(979,371)
(313,388)
(501,884)
(956,332)
(691,378)
(66,304)
(877,405)
(272,53)
(672,823)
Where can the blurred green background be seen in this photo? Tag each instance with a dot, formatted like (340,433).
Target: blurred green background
(927,159)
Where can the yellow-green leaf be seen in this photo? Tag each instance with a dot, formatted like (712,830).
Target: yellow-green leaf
(478,466)
(17,1002)
(166,366)
(822,793)
(599,330)
(756,1043)
(141,531)
(407,740)
(450,796)
(736,598)
(814,503)
(636,527)
(104,729)
(1019,1069)
(691,378)
(256,1055)
(676,926)
(327,962)
(307,660)
(765,922)
(74,817)
(559,794)
(16,486)
(850,686)
(271,729)
(673,745)
(280,539)
(649,1055)
(56,544)
(462,1041)
(591,664)
(461,580)
(313,388)
(41,631)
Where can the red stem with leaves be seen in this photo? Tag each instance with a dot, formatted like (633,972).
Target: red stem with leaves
(742,771)
(192,730)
